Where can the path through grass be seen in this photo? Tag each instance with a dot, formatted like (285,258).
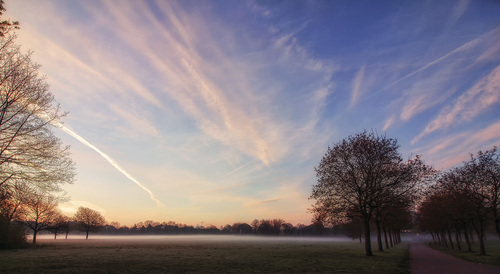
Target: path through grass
(492,251)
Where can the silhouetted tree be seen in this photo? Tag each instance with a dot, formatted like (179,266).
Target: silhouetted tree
(354,229)
(255,225)
(486,169)
(89,220)
(60,224)
(467,195)
(359,175)
(265,227)
(6,26)
(12,206)
(288,229)
(30,153)
(467,184)
(242,228)
(41,212)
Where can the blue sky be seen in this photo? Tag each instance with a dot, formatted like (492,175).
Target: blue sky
(213,112)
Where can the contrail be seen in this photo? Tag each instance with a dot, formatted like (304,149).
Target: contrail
(111,161)
(234,170)
(465,46)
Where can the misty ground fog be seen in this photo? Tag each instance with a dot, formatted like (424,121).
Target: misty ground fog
(170,239)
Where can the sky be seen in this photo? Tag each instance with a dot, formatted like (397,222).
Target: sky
(215,112)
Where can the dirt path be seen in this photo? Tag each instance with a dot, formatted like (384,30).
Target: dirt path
(427,260)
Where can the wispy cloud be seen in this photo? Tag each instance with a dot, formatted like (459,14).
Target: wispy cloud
(141,124)
(218,112)
(472,103)
(435,83)
(237,115)
(464,47)
(458,11)
(388,123)
(453,149)
(262,202)
(357,87)
(72,206)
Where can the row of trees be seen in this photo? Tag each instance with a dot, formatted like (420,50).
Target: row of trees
(363,180)
(464,199)
(43,215)
(267,227)
(33,161)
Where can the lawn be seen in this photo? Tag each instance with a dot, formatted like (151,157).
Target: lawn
(195,254)
(492,252)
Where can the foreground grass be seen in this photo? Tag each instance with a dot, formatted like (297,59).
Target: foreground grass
(214,256)
(492,252)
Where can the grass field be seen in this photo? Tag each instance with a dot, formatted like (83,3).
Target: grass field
(492,252)
(195,254)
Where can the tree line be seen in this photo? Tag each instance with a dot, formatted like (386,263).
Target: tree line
(265,227)
(363,181)
(464,200)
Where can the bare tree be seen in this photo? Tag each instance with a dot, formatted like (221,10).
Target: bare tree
(486,169)
(6,25)
(255,225)
(60,223)
(89,220)
(41,212)
(13,203)
(29,150)
(30,154)
(361,174)
(468,195)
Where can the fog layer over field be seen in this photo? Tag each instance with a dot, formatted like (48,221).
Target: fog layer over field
(165,239)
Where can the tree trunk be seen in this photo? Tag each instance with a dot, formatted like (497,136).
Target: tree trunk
(379,236)
(457,239)
(385,237)
(471,235)
(443,239)
(480,235)
(497,221)
(467,239)
(34,236)
(35,230)
(450,240)
(390,238)
(87,236)
(368,245)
